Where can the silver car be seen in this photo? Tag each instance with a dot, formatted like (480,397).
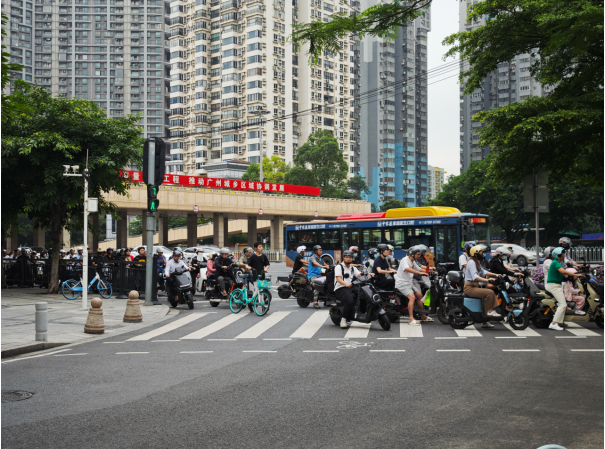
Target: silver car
(521,256)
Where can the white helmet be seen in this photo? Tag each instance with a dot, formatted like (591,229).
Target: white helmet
(301,249)
(225,251)
(502,251)
(80,248)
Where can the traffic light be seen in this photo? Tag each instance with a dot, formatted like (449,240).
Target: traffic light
(161,149)
(152,198)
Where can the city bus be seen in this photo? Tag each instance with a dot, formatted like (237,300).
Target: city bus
(443,229)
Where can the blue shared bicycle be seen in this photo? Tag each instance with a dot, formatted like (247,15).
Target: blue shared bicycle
(72,289)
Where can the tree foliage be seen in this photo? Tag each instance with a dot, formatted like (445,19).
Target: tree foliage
(392,204)
(564,130)
(319,162)
(60,131)
(274,170)
(382,20)
(572,205)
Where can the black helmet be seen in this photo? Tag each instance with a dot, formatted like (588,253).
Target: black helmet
(372,252)
(109,248)
(316,247)
(347,253)
(468,245)
(177,253)
(383,247)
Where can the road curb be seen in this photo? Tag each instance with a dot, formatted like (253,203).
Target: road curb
(129,327)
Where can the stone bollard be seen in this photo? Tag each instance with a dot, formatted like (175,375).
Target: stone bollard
(41,321)
(94,322)
(133,309)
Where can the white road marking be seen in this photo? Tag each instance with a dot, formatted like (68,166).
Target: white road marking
(168,327)
(453,350)
(581,332)
(334,339)
(222,339)
(277,339)
(126,353)
(358,330)
(520,350)
(311,326)
(259,351)
(470,331)
(162,341)
(511,337)
(524,333)
(113,342)
(64,355)
(214,327)
(392,338)
(322,351)
(405,330)
(569,336)
(387,350)
(450,338)
(587,350)
(263,325)
(196,352)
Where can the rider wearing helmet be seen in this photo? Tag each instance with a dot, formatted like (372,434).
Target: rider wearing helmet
(222,266)
(343,288)
(497,263)
(176,263)
(464,257)
(565,243)
(547,259)
(404,283)
(382,268)
(553,285)
(473,274)
(423,261)
(299,261)
(315,271)
(372,253)
(196,261)
(356,259)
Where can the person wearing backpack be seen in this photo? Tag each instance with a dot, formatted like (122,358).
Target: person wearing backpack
(343,287)
(314,271)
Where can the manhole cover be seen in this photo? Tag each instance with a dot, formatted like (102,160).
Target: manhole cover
(16,395)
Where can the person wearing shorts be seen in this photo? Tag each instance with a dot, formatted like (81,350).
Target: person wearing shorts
(404,284)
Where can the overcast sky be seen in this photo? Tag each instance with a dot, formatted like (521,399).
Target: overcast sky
(443,96)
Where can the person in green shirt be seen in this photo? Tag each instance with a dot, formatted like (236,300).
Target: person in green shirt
(553,285)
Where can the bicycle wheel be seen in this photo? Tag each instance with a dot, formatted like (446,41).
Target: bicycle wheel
(104,288)
(236,301)
(68,289)
(262,303)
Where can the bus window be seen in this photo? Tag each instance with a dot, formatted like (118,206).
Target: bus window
(292,239)
(371,238)
(398,238)
(307,238)
(346,240)
(355,239)
(440,245)
(328,240)
(388,237)
(452,243)
(419,236)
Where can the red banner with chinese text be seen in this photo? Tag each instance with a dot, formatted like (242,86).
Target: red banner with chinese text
(220,183)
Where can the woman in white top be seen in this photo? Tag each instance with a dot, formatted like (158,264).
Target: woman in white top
(475,273)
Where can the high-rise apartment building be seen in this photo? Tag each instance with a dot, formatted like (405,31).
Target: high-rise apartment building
(112,52)
(510,83)
(436,179)
(393,136)
(230,59)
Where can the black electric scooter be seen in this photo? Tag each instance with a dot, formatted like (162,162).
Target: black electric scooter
(181,289)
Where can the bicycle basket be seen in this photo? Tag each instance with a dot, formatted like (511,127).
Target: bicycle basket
(263,284)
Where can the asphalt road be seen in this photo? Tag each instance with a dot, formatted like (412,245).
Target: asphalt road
(209,378)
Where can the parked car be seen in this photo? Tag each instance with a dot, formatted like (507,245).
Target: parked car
(190,252)
(520,256)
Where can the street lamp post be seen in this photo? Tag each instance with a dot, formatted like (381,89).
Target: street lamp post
(260,112)
(86,176)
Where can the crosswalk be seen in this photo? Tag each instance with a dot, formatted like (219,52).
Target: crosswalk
(292,325)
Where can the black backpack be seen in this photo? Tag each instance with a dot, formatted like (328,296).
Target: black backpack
(330,280)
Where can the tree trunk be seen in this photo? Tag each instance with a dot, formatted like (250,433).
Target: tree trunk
(55,237)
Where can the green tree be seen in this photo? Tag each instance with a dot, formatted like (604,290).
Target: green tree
(572,205)
(274,170)
(60,131)
(563,131)
(320,163)
(392,204)
(356,188)
(382,20)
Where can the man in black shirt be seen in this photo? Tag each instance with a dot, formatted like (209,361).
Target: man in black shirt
(258,261)
(381,268)
(299,261)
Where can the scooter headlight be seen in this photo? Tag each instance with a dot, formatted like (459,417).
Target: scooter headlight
(506,285)
(440,282)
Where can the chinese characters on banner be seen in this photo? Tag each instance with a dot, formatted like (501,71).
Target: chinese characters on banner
(219,183)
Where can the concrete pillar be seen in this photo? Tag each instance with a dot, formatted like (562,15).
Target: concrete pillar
(218,221)
(277,233)
(163,231)
(65,239)
(191,230)
(12,243)
(252,230)
(39,237)
(121,229)
(226,231)
(93,237)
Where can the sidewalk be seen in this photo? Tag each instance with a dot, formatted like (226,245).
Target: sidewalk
(65,319)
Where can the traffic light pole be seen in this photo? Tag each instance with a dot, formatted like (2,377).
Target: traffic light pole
(150,226)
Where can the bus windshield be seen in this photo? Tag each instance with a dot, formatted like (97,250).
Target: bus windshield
(479,233)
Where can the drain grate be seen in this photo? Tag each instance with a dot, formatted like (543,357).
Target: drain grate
(16,395)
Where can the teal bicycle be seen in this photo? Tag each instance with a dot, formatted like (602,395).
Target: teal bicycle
(259,298)
(71,288)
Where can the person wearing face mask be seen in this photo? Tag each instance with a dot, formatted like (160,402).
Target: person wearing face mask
(497,264)
(356,260)
(372,253)
(343,287)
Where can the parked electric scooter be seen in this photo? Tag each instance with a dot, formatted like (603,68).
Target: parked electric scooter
(295,283)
